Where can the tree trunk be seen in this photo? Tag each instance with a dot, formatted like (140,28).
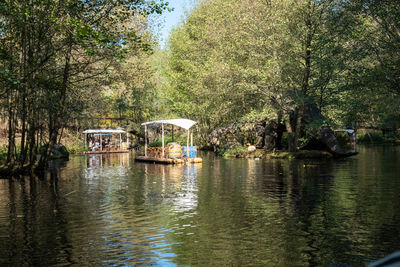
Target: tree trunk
(56,121)
(292,146)
(11,130)
(301,101)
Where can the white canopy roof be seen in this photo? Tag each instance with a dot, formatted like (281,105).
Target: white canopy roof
(183,123)
(91,131)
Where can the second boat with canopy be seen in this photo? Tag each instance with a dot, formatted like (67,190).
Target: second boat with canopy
(173,153)
(100,141)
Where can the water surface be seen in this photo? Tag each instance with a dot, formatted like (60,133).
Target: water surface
(109,210)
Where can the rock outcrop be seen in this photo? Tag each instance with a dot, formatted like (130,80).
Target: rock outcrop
(59,151)
(233,135)
(267,134)
(325,139)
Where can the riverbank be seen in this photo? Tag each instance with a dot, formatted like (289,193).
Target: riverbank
(242,152)
(378,138)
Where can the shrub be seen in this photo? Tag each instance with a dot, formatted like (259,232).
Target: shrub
(180,139)
(74,143)
(370,138)
(237,152)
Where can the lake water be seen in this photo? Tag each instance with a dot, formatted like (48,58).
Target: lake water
(109,210)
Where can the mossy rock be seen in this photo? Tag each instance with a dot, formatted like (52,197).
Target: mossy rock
(59,151)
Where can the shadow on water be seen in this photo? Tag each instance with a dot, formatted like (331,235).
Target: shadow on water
(35,231)
(108,209)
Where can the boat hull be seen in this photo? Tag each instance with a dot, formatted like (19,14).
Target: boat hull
(168,161)
(105,152)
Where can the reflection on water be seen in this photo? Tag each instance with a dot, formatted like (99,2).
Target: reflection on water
(108,209)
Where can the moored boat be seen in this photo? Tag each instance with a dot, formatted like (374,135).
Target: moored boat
(173,153)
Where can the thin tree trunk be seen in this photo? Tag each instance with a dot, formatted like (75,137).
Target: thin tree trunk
(305,83)
(11,132)
(292,146)
(56,122)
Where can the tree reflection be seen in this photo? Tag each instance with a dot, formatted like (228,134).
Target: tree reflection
(107,210)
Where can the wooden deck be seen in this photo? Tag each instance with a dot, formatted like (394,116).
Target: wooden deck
(168,161)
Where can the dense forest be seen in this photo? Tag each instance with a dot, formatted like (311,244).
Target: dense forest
(246,60)
(66,65)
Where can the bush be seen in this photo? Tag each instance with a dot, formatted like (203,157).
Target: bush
(180,139)
(370,138)
(236,152)
(75,148)
(392,138)
(74,144)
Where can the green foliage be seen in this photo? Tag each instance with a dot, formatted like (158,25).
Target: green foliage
(58,59)
(246,60)
(235,152)
(180,139)
(214,74)
(76,147)
(378,138)
(370,138)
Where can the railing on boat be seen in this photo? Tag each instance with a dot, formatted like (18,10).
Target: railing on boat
(184,152)
(157,152)
(109,148)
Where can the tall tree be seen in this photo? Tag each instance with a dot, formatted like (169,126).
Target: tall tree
(48,50)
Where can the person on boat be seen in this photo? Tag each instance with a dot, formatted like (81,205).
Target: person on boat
(90,145)
(96,145)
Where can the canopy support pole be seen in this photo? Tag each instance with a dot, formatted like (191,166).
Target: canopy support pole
(145,140)
(187,144)
(191,138)
(120,142)
(127,140)
(162,137)
(172,133)
(101,142)
(85,141)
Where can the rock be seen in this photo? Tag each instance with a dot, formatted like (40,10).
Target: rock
(259,129)
(251,148)
(59,151)
(325,139)
(231,136)
(267,134)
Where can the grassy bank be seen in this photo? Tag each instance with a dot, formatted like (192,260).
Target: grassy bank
(378,138)
(242,152)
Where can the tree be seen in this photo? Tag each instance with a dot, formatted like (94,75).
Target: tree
(233,58)
(49,49)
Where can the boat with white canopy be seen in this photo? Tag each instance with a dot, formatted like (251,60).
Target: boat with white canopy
(98,141)
(173,153)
